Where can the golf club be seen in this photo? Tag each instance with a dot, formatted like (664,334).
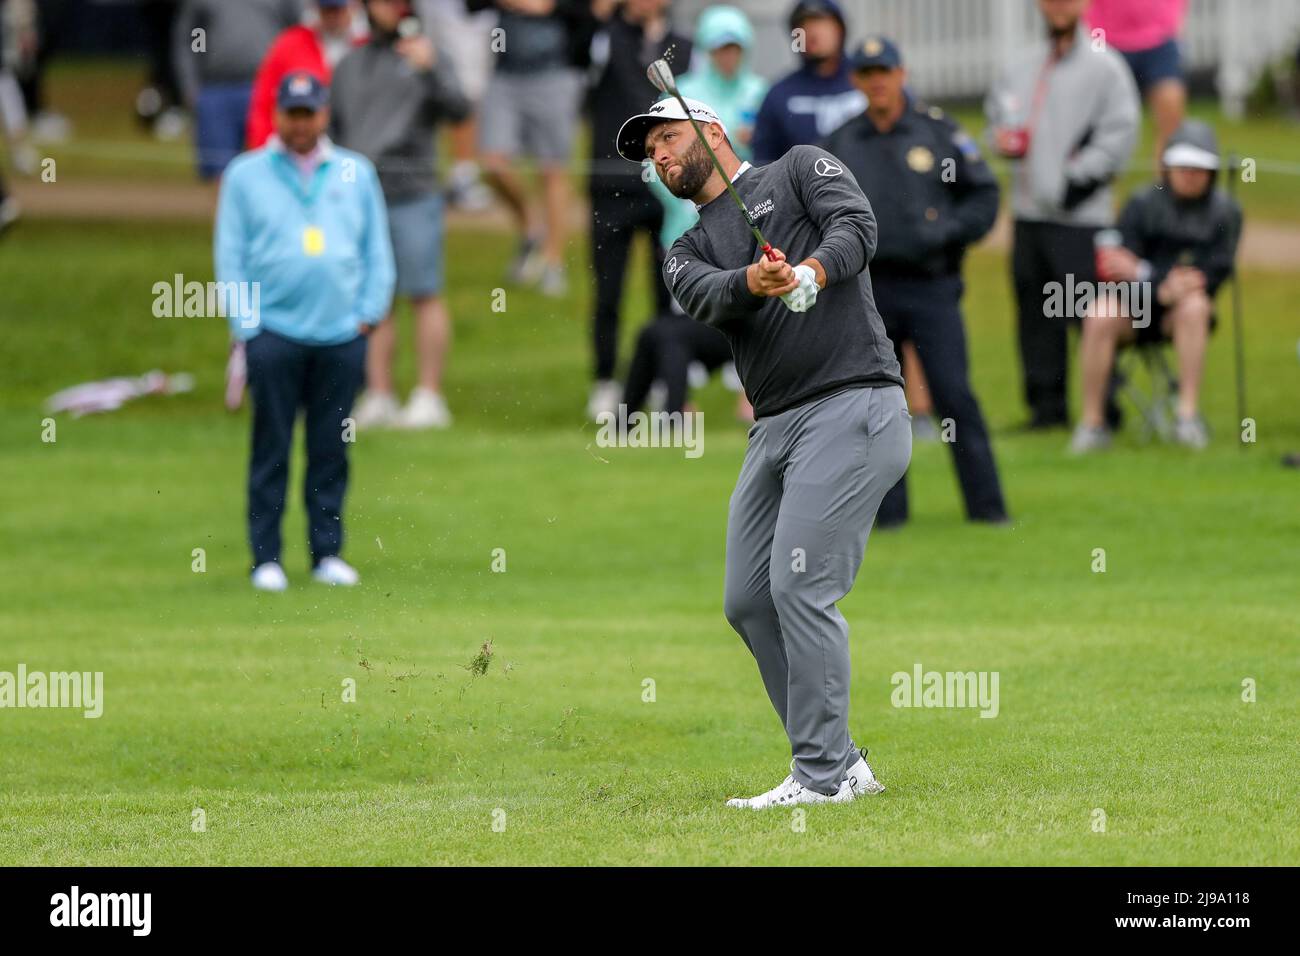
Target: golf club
(660,75)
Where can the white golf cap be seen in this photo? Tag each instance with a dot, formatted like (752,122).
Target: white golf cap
(631,137)
(1188,156)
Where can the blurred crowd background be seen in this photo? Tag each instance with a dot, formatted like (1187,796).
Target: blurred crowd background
(531,93)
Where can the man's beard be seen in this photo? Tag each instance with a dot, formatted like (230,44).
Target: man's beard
(696,168)
(1060,33)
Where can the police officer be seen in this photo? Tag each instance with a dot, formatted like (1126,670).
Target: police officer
(933,196)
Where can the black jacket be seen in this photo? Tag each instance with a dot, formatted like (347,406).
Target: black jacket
(932,192)
(1168,232)
(620,89)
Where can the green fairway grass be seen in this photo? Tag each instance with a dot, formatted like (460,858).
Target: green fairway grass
(1120,692)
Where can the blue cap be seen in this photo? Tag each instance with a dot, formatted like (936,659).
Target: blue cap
(875,51)
(332,3)
(302,91)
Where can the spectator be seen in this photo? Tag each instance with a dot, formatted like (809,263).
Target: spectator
(1180,240)
(633,35)
(530,110)
(389,96)
(218,46)
(315,47)
(158,103)
(471,59)
(933,196)
(1146,34)
(808,104)
(302,221)
(1067,118)
(10,100)
(49,20)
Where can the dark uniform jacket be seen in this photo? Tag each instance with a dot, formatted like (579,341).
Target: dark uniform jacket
(932,192)
(1168,232)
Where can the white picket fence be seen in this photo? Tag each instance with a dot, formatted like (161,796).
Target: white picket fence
(954,48)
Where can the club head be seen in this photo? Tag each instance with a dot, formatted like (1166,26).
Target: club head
(660,75)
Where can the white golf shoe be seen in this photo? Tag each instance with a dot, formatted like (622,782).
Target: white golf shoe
(789,793)
(269,576)
(860,778)
(336,571)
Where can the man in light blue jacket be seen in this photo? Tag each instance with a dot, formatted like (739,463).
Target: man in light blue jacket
(302,234)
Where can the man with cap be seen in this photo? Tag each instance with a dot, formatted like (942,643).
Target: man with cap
(933,195)
(1179,240)
(301,224)
(806,105)
(831,436)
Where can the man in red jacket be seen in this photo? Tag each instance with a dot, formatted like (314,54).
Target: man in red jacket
(314,48)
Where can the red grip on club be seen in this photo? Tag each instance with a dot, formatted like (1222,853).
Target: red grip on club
(767,251)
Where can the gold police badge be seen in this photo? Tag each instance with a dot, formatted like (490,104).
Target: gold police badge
(920,159)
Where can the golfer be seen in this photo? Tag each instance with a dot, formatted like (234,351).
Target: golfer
(832,433)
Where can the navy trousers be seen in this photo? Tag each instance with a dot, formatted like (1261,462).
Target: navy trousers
(321,380)
(928,312)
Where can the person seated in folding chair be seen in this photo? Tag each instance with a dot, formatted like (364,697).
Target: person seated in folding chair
(1179,240)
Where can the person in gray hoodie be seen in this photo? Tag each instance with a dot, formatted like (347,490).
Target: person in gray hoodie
(1066,115)
(389,97)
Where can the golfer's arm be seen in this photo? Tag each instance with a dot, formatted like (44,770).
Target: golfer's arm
(708,294)
(841,213)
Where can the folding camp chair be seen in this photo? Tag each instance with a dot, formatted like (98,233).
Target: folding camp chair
(1158,402)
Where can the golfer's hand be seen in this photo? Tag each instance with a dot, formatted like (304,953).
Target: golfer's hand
(804,294)
(771,277)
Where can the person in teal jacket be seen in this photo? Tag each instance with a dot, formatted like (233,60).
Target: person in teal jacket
(305,265)
(720,76)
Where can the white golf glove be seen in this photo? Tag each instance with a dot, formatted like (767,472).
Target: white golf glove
(804,296)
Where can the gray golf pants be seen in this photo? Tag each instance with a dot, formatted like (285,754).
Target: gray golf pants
(797,528)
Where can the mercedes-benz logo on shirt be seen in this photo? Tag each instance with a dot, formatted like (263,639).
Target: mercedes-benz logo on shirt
(827,167)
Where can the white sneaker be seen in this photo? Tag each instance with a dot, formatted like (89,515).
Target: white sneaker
(554,282)
(269,576)
(1087,439)
(425,409)
(376,410)
(335,571)
(860,778)
(10,213)
(790,792)
(605,396)
(1192,432)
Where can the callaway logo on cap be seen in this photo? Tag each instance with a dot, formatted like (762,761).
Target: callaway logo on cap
(631,137)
